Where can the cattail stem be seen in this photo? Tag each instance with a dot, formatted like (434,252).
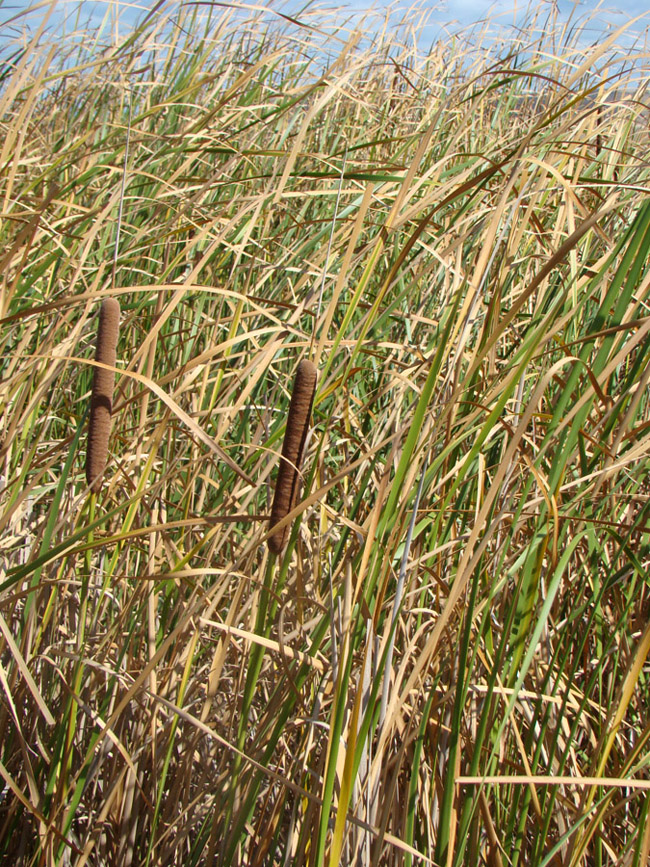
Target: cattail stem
(286,490)
(72,709)
(101,402)
(286,486)
(262,628)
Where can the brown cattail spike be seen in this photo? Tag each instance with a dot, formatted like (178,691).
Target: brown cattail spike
(101,402)
(286,486)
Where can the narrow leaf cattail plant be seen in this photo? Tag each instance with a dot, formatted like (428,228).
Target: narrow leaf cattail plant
(101,402)
(286,486)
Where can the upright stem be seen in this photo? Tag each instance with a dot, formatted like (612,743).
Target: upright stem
(263,628)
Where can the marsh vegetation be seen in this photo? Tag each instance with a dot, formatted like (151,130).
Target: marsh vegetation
(447,661)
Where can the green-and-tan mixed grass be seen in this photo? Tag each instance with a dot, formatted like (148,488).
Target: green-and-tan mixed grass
(448,662)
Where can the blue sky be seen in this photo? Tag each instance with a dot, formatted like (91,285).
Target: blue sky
(462,12)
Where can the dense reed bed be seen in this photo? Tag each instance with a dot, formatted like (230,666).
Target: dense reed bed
(447,662)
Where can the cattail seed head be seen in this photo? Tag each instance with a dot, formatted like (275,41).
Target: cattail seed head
(101,402)
(286,486)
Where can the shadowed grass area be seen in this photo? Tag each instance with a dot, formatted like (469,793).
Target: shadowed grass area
(448,662)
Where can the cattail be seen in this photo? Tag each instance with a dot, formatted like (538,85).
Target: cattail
(286,486)
(101,402)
